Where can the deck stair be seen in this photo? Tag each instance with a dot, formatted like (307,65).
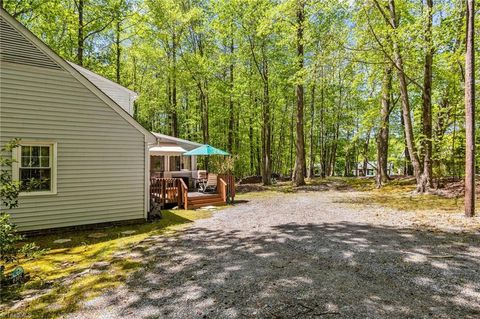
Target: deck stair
(195,202)
(171,191)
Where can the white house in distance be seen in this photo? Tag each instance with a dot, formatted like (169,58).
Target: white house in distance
(371,169)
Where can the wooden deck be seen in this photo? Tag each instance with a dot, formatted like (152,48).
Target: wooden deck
(168,191)
(197,200)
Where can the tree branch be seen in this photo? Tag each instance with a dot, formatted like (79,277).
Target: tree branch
(383,14)
(98,30)
(388,56)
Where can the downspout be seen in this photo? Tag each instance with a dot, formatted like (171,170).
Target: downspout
(147,180)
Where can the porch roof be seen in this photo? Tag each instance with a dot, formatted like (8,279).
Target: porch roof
(188,145)
(170,149)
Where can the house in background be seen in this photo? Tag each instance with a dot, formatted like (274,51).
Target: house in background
(90,156)
(167,159)
(371,169)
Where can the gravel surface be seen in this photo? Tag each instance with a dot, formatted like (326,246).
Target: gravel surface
(304,255)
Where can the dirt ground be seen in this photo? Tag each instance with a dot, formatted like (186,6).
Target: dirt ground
(304,255)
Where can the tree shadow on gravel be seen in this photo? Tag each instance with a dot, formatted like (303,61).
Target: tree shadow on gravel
(332,270)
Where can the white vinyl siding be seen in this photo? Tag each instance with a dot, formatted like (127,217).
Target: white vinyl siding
(100,156)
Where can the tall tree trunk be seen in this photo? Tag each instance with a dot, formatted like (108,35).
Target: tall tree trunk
(292,137)
(80,35)
(188,128)
(203,112)
(407,167)
(135,82)
(168,82)
(231,120)
(266,139)
(365,152)
(118,31)
(426,178)
(266,125)
(252,149)
(470,112)
(311,169)
(173,111)
(281,140)
(346,171)
(333,155)
(383,132)
(323,167)
(409,138)
(259,160)
(206,126)
(299,177)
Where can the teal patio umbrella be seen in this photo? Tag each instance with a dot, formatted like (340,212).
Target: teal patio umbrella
(206,150)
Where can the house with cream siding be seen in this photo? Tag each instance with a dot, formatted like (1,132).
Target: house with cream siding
(87,156)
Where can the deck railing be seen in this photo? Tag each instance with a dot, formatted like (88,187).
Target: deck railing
(183,193)
(230,181)
(174,191)
(222,188)
(166,191)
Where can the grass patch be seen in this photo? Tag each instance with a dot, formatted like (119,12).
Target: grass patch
(396,194)
(64,275)
(400,194)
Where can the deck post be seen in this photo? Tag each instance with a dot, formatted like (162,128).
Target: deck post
(164,191)
(179,193)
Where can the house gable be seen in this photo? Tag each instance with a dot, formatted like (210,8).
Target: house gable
(20,36)
(16,48)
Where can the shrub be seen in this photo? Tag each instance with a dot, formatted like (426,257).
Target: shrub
(10,248)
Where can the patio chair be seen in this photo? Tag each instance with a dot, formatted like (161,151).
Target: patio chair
(210,185)
(198,176)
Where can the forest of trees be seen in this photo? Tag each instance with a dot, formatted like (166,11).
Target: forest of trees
(292,87)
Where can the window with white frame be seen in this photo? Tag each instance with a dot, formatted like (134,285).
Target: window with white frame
(187,162)
(175,163)
(157,163)
(35,167)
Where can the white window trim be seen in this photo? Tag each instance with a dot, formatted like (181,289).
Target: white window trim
(16,156)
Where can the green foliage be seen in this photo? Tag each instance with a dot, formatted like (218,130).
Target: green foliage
(198,62)
(10,247)
(9,242)
(9,189)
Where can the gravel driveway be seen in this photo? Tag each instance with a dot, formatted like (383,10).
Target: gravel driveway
(304,255)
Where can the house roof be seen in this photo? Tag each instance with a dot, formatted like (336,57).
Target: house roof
(370,165)
(46,50)
(188,145)
(89,73)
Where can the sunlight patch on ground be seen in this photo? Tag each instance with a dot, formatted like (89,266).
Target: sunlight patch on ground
(85,266)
